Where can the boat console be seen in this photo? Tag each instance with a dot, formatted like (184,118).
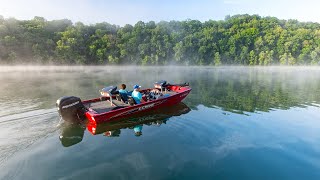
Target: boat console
(160,84)
(108,91)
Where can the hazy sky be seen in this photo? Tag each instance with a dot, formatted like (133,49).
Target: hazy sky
(123,12)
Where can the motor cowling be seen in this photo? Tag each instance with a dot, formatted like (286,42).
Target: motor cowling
(70,108)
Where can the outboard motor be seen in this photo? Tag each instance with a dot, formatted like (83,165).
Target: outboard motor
(70,108)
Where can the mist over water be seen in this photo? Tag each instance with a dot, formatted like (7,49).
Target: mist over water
(239,118)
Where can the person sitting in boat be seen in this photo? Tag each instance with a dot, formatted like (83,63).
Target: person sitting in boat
(137,96)
(123,92)
(154,94)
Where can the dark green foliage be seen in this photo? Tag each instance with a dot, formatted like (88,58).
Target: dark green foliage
(240,39)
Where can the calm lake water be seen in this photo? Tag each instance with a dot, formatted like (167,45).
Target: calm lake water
(237,123)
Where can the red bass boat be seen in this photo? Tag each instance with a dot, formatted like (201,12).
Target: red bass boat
(73,133)
(111,106)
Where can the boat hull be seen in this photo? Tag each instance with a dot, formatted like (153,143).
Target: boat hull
(158,116)
(96,118)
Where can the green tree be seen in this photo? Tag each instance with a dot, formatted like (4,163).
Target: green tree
(262,57)
(239,39)
(217,59)
(252,58)
(284,59)
(315,56)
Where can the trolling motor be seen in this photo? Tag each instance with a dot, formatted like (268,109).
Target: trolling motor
(70,108)
(162,84)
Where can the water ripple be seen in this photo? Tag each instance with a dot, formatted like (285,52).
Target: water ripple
(19,131)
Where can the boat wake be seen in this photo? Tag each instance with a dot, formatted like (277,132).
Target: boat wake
(19,131)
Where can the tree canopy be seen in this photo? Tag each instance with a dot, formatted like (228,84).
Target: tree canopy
(240,39)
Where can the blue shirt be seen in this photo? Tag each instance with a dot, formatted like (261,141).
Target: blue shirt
(123,91)
(124,94)
(137,96)
(137,128)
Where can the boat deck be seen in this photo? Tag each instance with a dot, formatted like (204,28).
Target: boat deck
(169,92)
(106,106)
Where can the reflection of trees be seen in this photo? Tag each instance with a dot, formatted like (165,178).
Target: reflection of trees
(231,88)
(251,90)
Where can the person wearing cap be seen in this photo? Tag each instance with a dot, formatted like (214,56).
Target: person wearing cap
(137,96)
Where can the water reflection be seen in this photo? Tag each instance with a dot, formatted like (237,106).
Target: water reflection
(209,141)
(72,134)
(241,90)
(233,89)
(154,118)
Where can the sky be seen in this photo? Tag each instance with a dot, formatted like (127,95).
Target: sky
(121,12)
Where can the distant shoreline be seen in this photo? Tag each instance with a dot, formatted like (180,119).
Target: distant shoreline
(62,67)
(238,40)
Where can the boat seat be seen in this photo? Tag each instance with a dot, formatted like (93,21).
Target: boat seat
(118,97)
(119,103)
(131,101)
(122,97)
